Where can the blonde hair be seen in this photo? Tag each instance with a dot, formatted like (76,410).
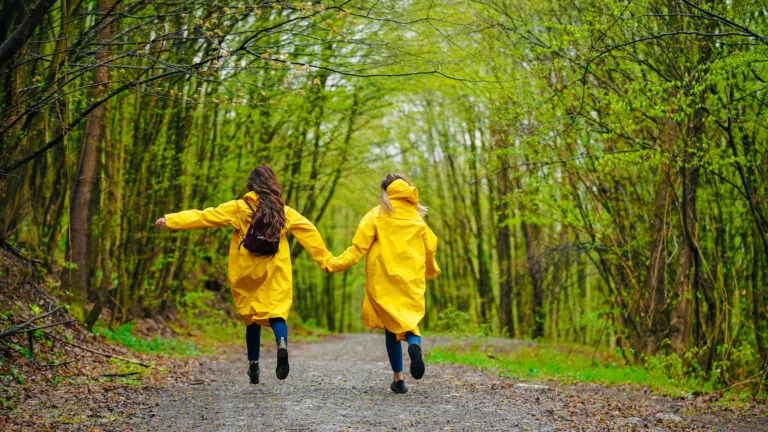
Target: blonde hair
(386,205)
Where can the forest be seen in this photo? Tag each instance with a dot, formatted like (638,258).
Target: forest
(596,171)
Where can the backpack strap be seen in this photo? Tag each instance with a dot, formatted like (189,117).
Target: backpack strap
(249,206)
(242,237)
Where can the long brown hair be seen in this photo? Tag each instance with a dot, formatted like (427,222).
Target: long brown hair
(263,181)
(385,204)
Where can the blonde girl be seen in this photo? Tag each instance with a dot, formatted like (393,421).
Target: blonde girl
(401,254)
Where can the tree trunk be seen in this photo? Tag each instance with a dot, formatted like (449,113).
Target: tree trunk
(532,235)
(504,252)
(680,322)
(484,276)
(84,195)
(9,47)
(557,284)
(655,297)
(344,301)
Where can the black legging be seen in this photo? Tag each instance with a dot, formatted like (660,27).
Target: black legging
(253,336)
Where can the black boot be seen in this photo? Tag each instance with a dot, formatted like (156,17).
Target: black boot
(282,360)
(399,386)
(417,362)
(253,371)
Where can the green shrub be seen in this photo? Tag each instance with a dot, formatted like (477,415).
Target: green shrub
(124,336)
(455,322)
(206,317)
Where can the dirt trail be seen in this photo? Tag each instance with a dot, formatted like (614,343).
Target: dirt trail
(343,382)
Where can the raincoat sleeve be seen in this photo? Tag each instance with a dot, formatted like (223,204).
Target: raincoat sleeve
(361,243)
(306,233)
(222,215)
(431,246)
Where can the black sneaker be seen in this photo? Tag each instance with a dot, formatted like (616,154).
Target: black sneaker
(282,360)
(253,372)
(417,362)
(399,387)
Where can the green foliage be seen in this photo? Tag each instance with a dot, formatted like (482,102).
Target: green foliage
(662,374)
(306,331)
(16,375)
(452,321)
(458,323)
(35,309)
(123,335)
(8,402)
(24,351)
(204,316)
(598,138)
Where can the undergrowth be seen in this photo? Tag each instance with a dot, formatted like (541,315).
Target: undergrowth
(204,325)
(124,336)
(568,364)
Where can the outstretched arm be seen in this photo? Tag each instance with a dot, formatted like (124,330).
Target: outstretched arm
(306,233)
(361,243)
(222,215)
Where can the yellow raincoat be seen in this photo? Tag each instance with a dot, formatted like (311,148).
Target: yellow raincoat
(401,253)
(261,285)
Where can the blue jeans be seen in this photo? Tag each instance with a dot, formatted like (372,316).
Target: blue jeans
(253,336)
(395,350)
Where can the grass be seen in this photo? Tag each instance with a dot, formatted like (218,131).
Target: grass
(542,361)
(203,327)
(305,331)
(550,363)
(124,336)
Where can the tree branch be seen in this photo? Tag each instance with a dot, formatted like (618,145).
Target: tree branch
(728,22)
(16,41)
(18,329)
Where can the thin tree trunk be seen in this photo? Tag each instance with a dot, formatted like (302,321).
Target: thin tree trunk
(84,196)
(484,278)
(330,302)
(532,236)
(680,322)
(504,252)
(344,301)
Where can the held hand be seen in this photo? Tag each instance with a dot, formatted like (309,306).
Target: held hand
(161,223)
(324,265)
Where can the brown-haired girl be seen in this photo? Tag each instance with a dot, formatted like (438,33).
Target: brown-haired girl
(401,254)
(261,284)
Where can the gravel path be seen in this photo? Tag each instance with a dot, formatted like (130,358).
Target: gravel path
(343,382)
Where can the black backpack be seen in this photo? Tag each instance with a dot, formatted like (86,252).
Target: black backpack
(255,240)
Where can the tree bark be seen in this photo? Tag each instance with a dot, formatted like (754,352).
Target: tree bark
(504,252)
(84,195)
(503,243)
(532,235)
(656,322)
(484,276)
(18,38)
(655,297)
(680,322)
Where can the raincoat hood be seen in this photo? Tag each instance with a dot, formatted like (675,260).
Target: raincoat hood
(400,189)
(401,255)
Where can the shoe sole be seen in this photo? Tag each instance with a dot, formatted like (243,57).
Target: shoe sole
(417,361)
(282,364)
